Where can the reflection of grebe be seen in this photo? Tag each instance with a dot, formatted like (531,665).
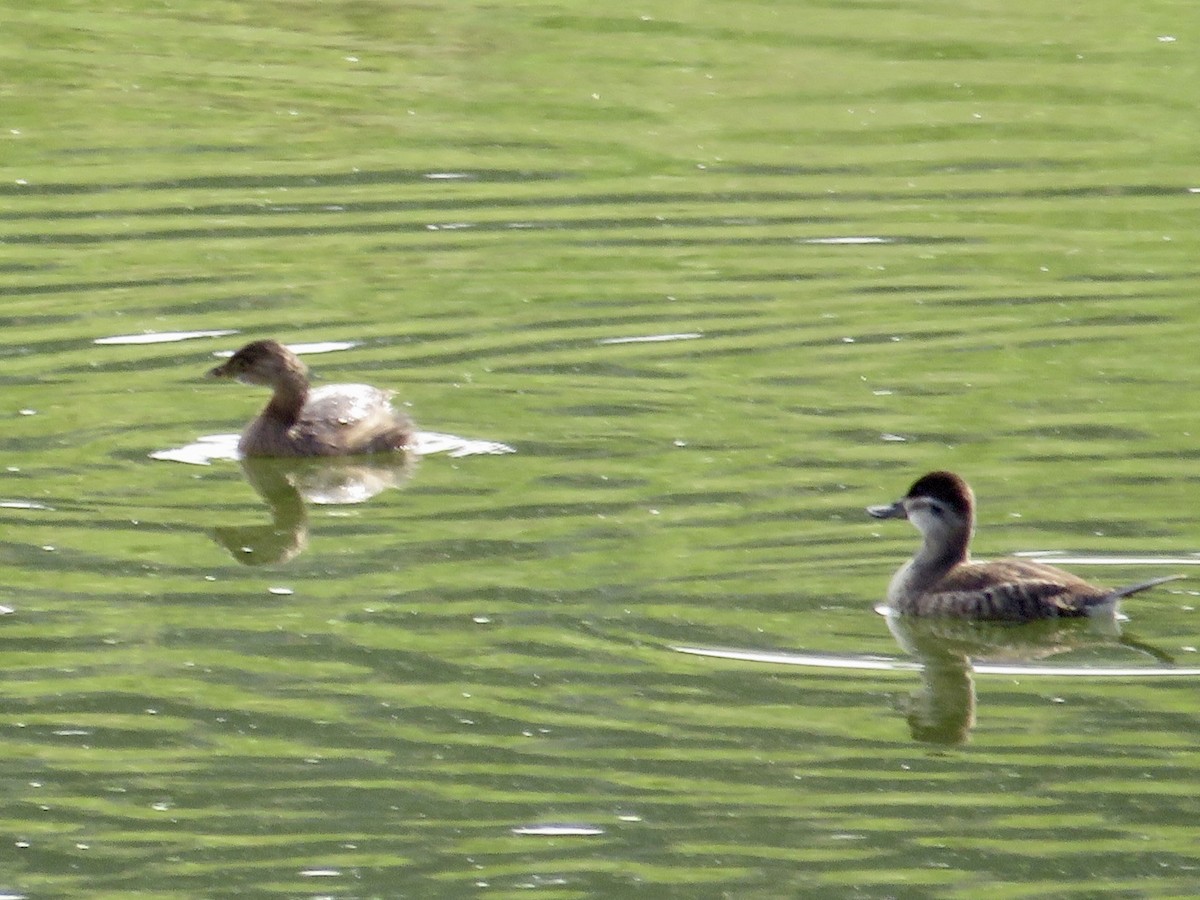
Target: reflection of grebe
(941,579)
(334,420)
(286,535)
(289,485)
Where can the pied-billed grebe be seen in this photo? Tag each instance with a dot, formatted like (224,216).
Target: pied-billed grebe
(333,420)
(941,579)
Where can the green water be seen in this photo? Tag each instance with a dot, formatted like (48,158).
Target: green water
(882,238)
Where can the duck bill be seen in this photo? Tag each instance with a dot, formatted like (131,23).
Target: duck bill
(889,511)
(217,372)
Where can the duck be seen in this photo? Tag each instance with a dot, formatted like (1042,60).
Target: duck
(942,580)
(332,420)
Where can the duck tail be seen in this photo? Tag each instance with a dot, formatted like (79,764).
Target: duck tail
(1103,609)
(1118,593)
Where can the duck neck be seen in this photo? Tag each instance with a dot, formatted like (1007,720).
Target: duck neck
(941,550)
(938,555)
(291,390)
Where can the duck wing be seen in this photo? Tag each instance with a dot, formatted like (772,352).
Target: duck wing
(1021,591)
(1013,601)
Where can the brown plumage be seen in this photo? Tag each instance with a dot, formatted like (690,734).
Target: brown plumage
(941,579)
(333,420)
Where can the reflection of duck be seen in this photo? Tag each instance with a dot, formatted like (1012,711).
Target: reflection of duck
(286,485)
(941,579)
(334,420)
(942,710)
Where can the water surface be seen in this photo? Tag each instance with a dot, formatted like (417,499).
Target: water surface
(721,275)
